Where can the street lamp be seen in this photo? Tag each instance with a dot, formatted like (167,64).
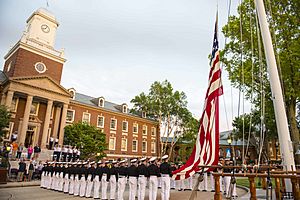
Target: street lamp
(229,142)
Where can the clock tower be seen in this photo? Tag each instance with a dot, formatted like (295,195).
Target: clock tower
(34,54)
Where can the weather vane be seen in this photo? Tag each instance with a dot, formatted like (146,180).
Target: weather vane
(47,3)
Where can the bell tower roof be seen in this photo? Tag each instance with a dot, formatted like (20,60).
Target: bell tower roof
(43,12)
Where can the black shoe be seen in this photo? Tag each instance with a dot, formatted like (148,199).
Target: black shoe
(204,190)
(180,190)
(198,190)
(212,190)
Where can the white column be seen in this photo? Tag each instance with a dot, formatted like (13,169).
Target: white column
(62,124)
(56,121)
(24,127)
(3,98)
(46,124)
(9,98)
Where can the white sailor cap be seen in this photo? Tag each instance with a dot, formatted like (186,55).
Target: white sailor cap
(133,160)
(164,157)
(93,162)
(84,163)
(79,163)
(99,162)
(114,162)
(152,159)
(143,159)
(106,162)
(122,161)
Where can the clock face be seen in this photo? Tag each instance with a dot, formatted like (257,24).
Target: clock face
(45,28)
(40,67)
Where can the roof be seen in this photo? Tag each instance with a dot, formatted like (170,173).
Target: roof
(223,139)
(3,77)
(93,101)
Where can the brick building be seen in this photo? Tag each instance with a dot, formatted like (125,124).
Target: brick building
(41,107)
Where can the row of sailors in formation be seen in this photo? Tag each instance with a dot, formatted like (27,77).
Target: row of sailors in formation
(66,154)
(84,179)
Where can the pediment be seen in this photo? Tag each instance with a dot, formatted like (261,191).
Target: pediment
(43,83)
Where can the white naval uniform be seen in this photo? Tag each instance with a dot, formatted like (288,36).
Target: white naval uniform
(71,184)
(132,187)
(227,184)
(113,186)
(66,183)
(61,182)
(165,186)
(89,186)
(189,183)
(180,184)
(76,185)
(173,183)
(104,184)
(43,179)
(49,181)
(142,182)
(212,181)
(82,186)
(96,187)
(121,186)
(153,183)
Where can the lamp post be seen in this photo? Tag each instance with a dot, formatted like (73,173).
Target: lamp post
(229,142)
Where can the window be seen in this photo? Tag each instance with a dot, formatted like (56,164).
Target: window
(125,126)
(86,117)
(72,91)
(70,115)
(124,108)
(144,115)
(34,109)
(153,147)
(112,143)
(144,146)
(135,128)
(134,145)
(153,131)
(101,102)
(14,104)
(144,129)
(7,131)
(124,144)
(100,122)
(113,124)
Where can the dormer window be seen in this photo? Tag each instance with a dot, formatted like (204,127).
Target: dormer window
(101,102)
(72,91)
(144,114)
(124,108)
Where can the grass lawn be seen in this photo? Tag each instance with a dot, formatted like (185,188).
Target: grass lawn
(245,182)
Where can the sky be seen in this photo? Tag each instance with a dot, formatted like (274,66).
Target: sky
(117,48)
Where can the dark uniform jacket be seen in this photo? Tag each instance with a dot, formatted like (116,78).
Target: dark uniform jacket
(142,170)
(132,171)
(122,171)
(105,170)
(153,170)
(91,171)
(165,168)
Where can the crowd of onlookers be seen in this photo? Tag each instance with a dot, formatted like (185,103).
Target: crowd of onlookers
(15,151)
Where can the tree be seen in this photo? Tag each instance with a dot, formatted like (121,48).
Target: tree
(284,23)
(166,106)
(88,138)
(4,120)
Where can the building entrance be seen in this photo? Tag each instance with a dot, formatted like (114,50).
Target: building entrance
(29,136)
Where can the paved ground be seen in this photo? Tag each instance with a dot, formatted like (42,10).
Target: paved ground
(35,192)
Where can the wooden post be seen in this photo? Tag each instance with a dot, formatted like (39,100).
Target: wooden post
(218,195)
(296,188)
(282,186)
(277,188)
(252,188)
(263,183)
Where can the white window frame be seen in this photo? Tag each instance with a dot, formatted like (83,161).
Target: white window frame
(137,147)
(124,121)
(89,114)
(37,109)
(100,126)
(126,144)
(146,133)
(137,128)
(146,147)
(114,146)
(116,124)
(72,116)
(99,102)
(153,128)
(153,150)
(125,109)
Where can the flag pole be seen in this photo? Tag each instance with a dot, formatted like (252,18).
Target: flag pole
(284,137)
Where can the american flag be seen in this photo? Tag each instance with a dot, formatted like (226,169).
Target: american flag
(206,149)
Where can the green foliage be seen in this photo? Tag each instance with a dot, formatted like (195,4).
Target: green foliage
(168,107)
(284,22)
(88,138)
(4,119)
